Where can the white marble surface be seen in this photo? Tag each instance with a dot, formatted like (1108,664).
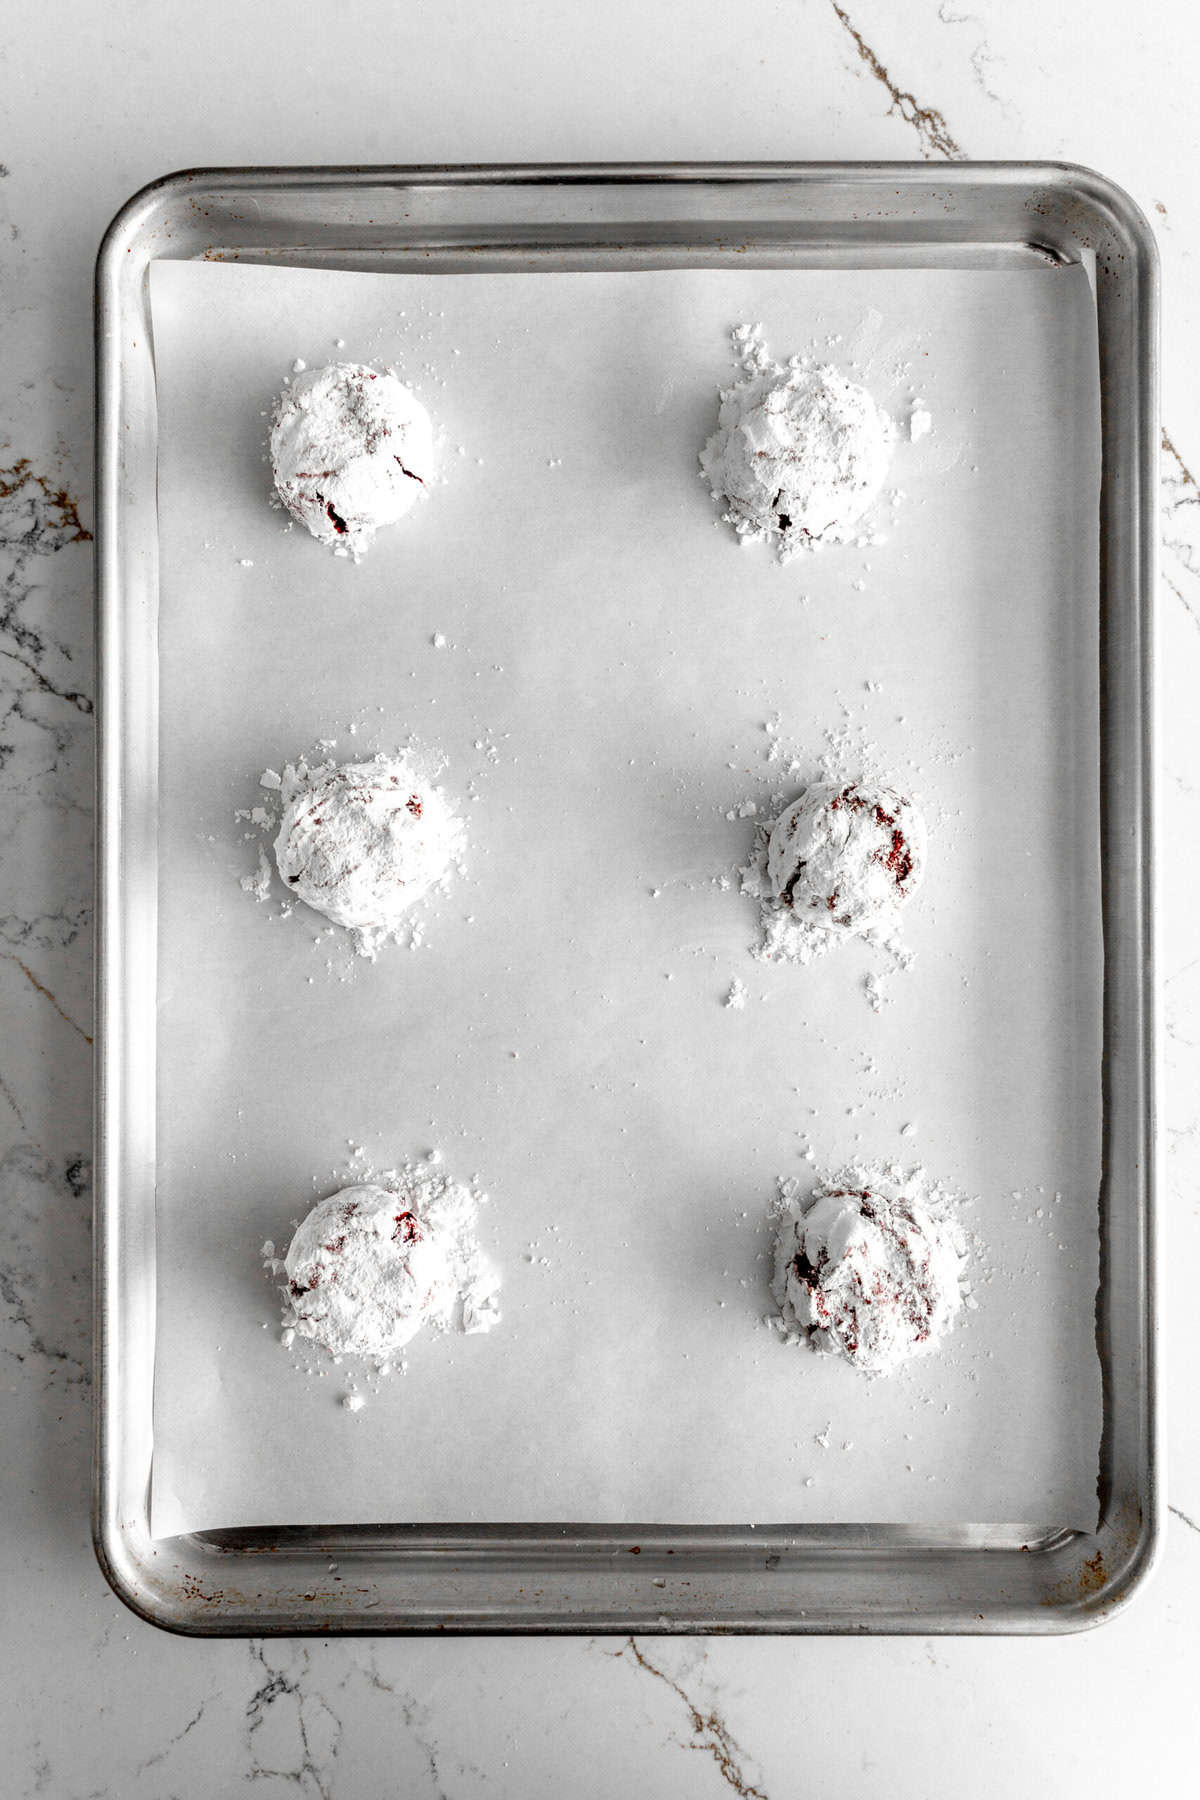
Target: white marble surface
(96,102)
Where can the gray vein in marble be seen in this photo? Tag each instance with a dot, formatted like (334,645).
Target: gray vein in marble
(45,746)
(982,56)
(1183,601)
(72,696)
(48,931)
(177,1738)
(290,1734)
(929,124)
(13,1102)
(44,1294)
(1192,1524)
(710,1734)
(416,1721)
(7,956)
(36,519)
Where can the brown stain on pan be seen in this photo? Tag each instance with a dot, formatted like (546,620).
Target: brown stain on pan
(1092,1576)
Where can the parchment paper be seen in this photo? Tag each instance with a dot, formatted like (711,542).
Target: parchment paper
(562,1030)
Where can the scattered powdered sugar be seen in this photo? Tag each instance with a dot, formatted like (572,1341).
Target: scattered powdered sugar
(871,1266)
(800,452)
(877,985)
(736,997)
(259,884)
(376,1261)
(920,423)
(359,842)
(351,450)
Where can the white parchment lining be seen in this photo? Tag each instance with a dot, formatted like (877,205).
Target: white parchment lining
(561,1032)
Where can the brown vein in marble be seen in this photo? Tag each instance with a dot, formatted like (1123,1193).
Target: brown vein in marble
(930,124)
(1181,492)
(37,518)
(1185,474)
(709,1729)
(1182,489)
(43,989)
(66,527)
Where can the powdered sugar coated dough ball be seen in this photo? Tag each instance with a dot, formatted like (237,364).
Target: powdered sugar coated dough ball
(870,1268)
(365,1273)
(351,449)
(361,842)
(846,857)
(798,456)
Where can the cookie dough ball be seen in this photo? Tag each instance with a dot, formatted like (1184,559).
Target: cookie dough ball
(364,1273)
(798,456)
(846,857)
(870,1268)
(352,449)
(360,842)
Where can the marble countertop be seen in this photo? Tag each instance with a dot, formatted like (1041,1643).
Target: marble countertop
(97,102)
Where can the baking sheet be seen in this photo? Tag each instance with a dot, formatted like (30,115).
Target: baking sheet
(562,1030)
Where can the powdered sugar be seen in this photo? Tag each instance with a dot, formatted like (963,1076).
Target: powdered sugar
(374,1262)
(870,1266)
(800,452)
(351,450)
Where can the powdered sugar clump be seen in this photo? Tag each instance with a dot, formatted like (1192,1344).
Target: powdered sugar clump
(373,1263)
(359,842)
(871,1266)
(800,452)
(351,450)
(259,884)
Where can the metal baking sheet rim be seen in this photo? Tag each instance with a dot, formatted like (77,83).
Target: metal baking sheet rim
(546,1577)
